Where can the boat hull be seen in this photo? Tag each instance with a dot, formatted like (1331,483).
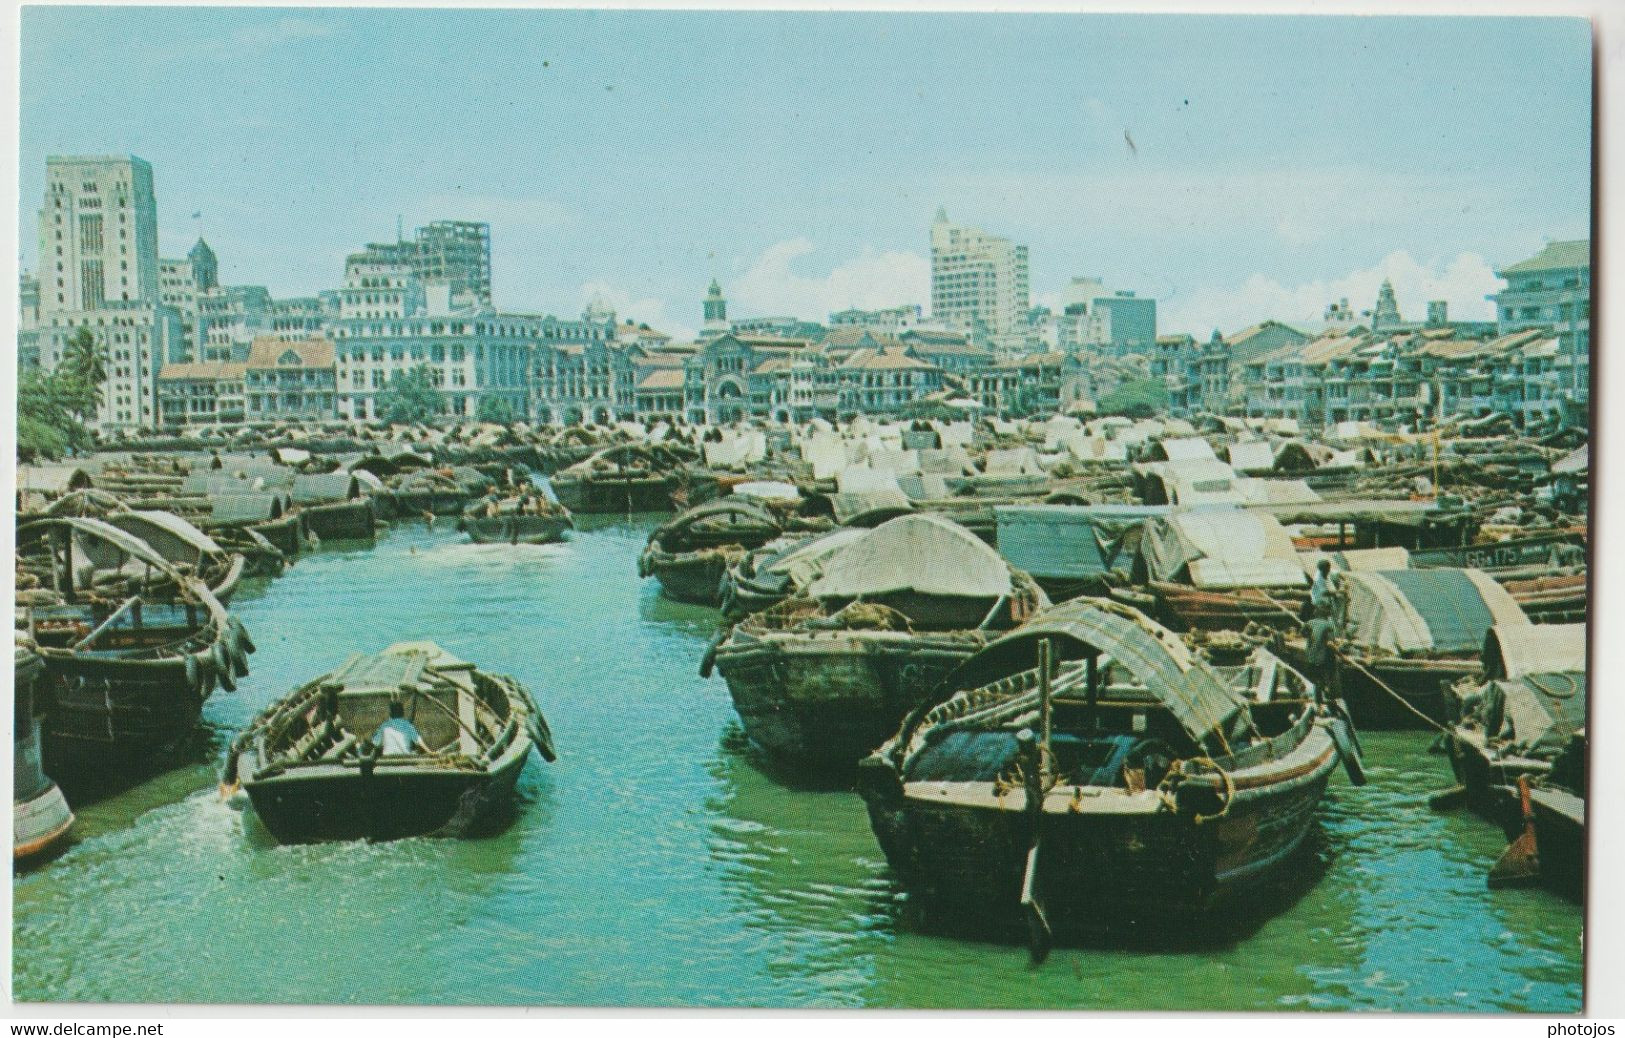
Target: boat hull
(512,529)
(343,521)
(1097,867)
(340,803)
(1560,835)
(694,577)
(824,700)
(125,707)
(614,496)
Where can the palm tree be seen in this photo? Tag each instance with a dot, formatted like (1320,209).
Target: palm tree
(84,365)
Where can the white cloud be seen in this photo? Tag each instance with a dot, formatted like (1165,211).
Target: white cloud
(656,313)
(1463,282)
(873,280)
(1296,206)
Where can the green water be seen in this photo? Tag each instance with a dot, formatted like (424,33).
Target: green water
(653,864)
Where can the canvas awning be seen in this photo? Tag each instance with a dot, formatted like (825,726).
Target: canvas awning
(1513,650)
(1440,610)
(922,553)
(1069,542)
(1220,548)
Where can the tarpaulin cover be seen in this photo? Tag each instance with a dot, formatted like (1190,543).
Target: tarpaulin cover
(1426,610)
(1356,559)
(324,487)
(1275,491)
(246,507)
(861,479)
(1513,650)
(802,563)
(1193,482)
(1071,541)
(923,486)
(923,553)
(1186,449)
(1220,548)
(1013,461)
(849,506)
(1252,456)
(1536,713)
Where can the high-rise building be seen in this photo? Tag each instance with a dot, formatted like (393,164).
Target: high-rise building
(98,233)
(979,283)
(457,253)
(98,271)
(1110,322)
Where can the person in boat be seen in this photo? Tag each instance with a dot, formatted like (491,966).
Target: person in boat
(397,736)
(1323,593)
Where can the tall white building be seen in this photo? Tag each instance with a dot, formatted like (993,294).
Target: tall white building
(98,269)
(979,283)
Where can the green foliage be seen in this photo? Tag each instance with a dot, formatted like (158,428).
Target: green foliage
(49,410)
(497,409)
(1140,398)
(412,396)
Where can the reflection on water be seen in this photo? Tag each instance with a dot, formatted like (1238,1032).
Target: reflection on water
(656,863)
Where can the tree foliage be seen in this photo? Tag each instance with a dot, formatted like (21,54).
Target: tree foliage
(1139,398)
(48,415)
(411,396)
(497,409)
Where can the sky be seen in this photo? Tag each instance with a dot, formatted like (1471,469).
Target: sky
(1232,168)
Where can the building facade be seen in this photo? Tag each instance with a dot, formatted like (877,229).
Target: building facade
(1552,289)
(979,283)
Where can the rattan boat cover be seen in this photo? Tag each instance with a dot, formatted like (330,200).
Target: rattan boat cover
(1154,655)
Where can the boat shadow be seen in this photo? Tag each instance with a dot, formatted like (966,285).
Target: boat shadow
(86,782)
(736,743)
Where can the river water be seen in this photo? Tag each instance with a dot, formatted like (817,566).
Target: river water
(655,865)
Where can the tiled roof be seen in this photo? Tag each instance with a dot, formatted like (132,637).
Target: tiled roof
(1031,360)
(663,378)
(883,360)
(206,370)
(1557,255)
(268,351)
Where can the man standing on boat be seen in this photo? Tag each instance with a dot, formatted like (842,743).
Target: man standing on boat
(398,736)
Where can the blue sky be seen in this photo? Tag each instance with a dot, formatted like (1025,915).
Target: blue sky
(1276,162)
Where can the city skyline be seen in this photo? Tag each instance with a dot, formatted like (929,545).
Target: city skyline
(1289,195)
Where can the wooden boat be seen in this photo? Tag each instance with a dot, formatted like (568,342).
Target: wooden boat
(40,816)
(690,554)
(628,477)
(335,505)
(312,772)
(1561,599)
(185,546)
(530,519)
(1402,639)
(819,681)
(1520,715)
(1545,550)
(1547,824)
(1219,569)
(1087,770)
(130,673)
